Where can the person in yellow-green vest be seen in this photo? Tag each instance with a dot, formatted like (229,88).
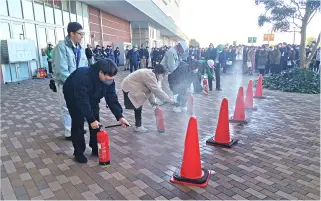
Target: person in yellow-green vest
(49,58)
(208,68)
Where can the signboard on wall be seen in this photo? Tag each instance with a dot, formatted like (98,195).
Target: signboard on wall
(21,50)
(268,37)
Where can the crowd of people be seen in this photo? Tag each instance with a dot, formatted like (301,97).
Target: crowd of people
(84,76)
(263,59)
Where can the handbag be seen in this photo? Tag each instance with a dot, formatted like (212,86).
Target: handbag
(52,85)
(249,64)
(289,63)
(229,63)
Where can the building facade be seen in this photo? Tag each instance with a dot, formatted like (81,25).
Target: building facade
(105,22)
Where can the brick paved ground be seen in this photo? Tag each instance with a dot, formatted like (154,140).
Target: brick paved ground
(277,156)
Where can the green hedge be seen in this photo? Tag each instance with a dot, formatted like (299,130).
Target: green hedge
(294,80)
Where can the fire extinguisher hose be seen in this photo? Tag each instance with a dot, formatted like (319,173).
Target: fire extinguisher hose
(116,125)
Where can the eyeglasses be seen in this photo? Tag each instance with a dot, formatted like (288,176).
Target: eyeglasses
(80,33)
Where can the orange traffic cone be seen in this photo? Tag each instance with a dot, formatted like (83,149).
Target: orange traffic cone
(248,104)
(239,111)
(259,89)
(191,172)
(222,134)
(205,87)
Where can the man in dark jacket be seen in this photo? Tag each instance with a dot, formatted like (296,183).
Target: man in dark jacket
(83,90)
(211,53)
(144,56)
(116,54)
(134,58)
(89,54)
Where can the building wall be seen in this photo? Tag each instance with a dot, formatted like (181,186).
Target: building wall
(95,26)
(170,8)
(108,29)
(43,21)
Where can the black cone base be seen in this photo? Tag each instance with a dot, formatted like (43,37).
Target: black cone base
(213,143)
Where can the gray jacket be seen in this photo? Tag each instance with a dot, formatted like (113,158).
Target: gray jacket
(170,60)
(64,60)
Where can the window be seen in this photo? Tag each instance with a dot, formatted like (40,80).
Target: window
(58,13)
(15,8)
(177,2)
(60,34)
(87,38)
(65,8)
(73,11)
(42,43)
(4,8)
(49,12)
(85,15)
(42,39)
(51,36)
(39,12)
(17,31)
(5,31)
(31,32)
(27,9)
(79,14)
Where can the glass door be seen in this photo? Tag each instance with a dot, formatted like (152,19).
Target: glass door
(42,45)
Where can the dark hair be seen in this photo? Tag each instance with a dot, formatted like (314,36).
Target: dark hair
(159,69)
(73,27)
(107,66)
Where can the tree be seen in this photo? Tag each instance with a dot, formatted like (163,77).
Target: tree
(310,39)
(288,13)
(193,42)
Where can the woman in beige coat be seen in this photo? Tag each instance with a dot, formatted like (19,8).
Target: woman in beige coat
(140,86)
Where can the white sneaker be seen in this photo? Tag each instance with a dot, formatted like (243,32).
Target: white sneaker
(141,129)
(176,109)
(184,109)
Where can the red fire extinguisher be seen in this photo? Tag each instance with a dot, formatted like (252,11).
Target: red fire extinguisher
(160,123)
(103,146)
(190,104)
(205,86)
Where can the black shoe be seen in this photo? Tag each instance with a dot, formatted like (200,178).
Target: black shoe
(94,152)
(68,138)
(218,89)
(81,158)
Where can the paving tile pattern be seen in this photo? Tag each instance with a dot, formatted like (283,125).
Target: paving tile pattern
(277,157)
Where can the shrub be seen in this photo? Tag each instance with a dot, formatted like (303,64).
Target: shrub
(294,80)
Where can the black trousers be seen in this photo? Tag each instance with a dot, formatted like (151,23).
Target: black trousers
(224,68)
(77,127)
(316,66)
(153,62)
(138,111)
(117,61)
(50,66)
(133,67)
(210,83)
(197,83)
(275,68)
(262,71)
(218,76)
